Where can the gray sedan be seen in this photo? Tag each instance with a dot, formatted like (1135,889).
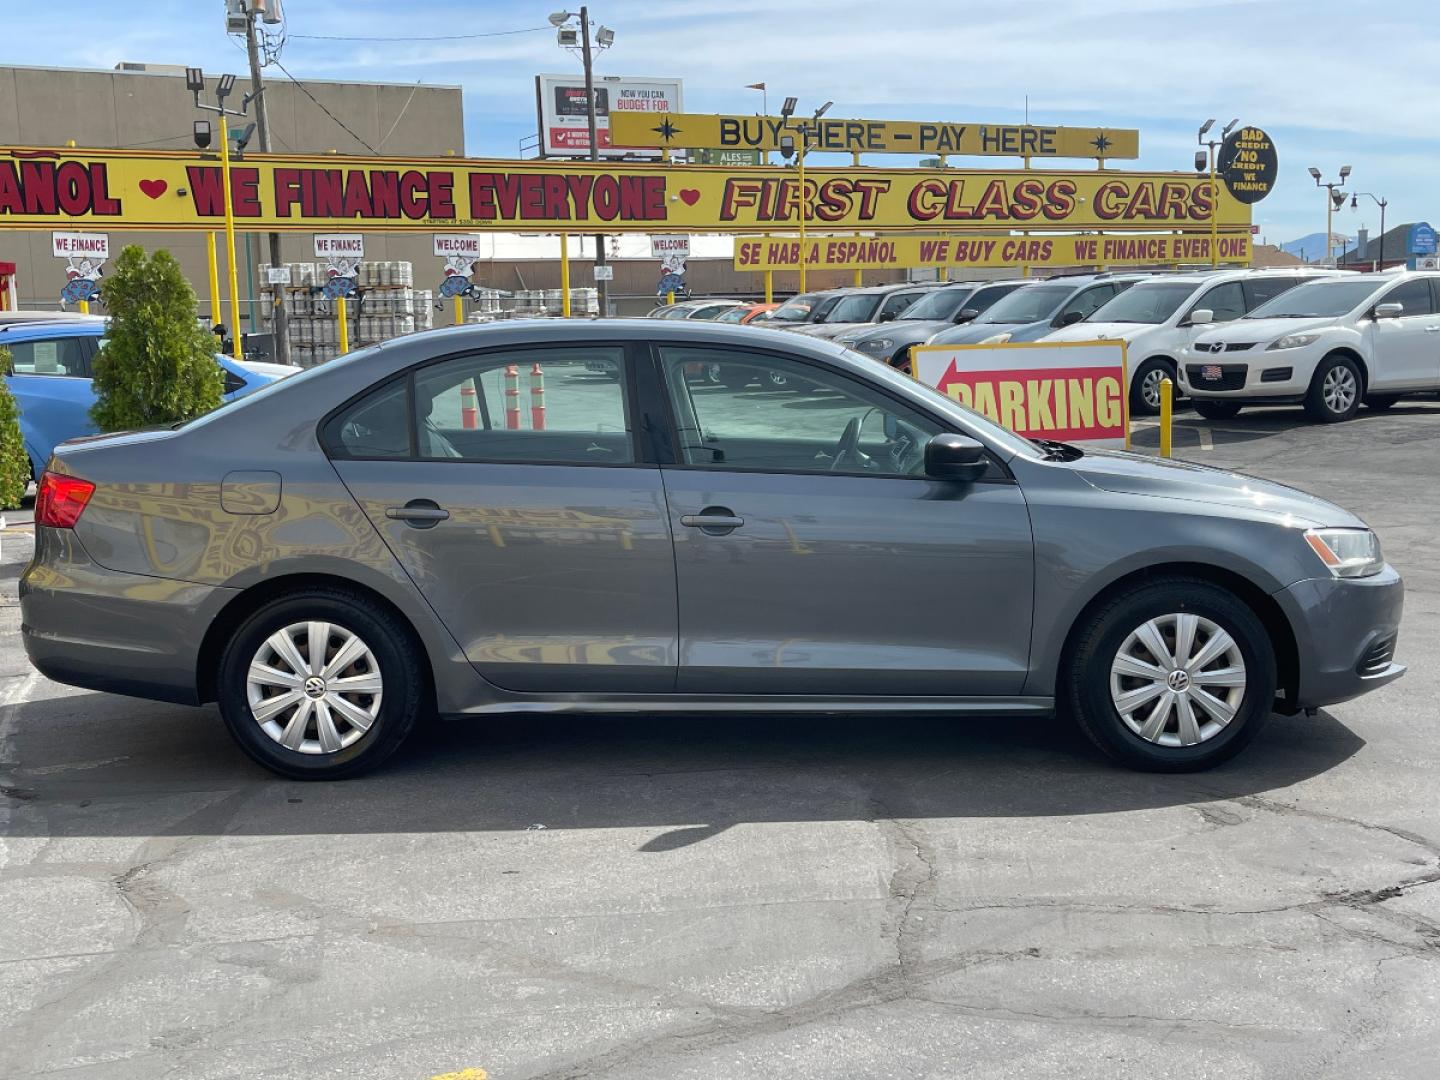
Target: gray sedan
(395,534)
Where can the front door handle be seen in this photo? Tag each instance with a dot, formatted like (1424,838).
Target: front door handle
(713,520)
(418,513)
(1432,329)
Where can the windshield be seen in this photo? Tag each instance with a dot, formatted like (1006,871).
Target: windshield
(735,314)
(1028,305)
(1318,299)
(859,308)
(1145,303)
(940,304)
(796,309)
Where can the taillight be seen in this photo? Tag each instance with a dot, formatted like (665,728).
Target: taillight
(59,500)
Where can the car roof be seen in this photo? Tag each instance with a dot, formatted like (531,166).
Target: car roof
(23,331)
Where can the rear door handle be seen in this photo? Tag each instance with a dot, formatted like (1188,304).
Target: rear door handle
(418,513)
(1432,329)
(713,520)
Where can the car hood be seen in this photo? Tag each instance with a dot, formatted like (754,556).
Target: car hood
(829,330)
(975,332)
(1133,474)
(1109,331)
(1262,331)
(273,371)
(906,331)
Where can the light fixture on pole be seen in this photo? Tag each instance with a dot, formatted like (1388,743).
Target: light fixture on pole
(788,148)
(579,40)
(1334,199)
(1382,202)
(1202,161)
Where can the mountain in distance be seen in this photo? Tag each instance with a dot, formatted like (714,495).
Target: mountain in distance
(1312,247)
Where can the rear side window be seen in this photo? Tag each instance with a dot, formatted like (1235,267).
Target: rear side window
(56,356)
(1259,290)
(894,305)
(1412,295)
(376,426)
(1226,302)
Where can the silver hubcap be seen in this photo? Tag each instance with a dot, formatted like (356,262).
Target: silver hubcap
(314,687)
(1150,387)
(1178,680)
(1339,389)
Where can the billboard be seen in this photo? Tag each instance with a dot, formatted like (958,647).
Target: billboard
(565,123)
(1073,391)
(72,189)
(961,253)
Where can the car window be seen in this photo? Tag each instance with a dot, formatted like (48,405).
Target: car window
(858,308)
(735,314)
(376,426)
(677,311)
(896,303)
(1089,301)
(940,304)
(796,309)
(984,297)
(553,406)
(1413,295)
(66,356)
(823,307)
(1261,290)
(1226,302)
(770,413)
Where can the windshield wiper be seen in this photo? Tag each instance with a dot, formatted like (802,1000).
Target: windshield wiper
(1059,451)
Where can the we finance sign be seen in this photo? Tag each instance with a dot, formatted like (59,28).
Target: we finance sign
(70,189)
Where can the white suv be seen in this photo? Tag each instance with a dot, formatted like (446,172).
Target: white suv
(1329,344)
(1157,319)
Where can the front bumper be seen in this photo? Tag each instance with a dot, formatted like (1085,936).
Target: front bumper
(1345,633)
(1258,375)
(102,629)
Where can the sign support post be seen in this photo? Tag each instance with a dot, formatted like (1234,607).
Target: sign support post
(342,327)
(459,311)
(565,274)
(230,237)
(769,286)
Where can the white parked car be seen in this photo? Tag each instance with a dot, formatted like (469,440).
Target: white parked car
(1329,344)
(1157,319)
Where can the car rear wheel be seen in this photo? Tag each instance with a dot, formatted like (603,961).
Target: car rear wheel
(323,684)
(1172,676)
(1335,391)
(1145,386)
(1217,410)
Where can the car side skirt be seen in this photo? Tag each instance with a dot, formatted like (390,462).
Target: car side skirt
(760,703)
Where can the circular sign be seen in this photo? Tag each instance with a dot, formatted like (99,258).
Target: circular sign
(1247,163)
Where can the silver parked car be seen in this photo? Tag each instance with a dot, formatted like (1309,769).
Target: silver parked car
(394,534)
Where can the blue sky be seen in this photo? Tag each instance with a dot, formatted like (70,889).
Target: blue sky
(1333,81)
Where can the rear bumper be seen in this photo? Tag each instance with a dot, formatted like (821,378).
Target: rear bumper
(101,629)
(1345,631)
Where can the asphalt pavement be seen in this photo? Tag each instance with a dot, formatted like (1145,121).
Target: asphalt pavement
(668,899)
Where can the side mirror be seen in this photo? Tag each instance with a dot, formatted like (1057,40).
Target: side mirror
(1388,311)
(1201,315)
(955,457)
(966,314)
(1070,318)
(886,316)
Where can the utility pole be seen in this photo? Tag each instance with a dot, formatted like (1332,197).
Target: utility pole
(601,285)
(281,317)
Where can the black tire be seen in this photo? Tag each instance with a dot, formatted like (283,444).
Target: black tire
(1380,402)
(1145,383)
(901,361)
(1217,410)
(1086,689)
(1328,388)
(405,692)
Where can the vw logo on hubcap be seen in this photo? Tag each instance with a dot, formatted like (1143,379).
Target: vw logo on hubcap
(315,687)
(1179,681)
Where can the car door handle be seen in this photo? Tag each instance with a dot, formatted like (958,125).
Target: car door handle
(714,520)
(418,513)
(1432,329)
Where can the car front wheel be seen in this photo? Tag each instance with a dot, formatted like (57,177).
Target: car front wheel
(1335,391)
(1145,386)
(322,684)
(1172,676)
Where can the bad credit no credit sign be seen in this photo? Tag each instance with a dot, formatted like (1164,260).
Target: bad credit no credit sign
(909,252)
(1072,391)
(63,189)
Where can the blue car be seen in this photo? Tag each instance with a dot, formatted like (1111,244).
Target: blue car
(49,375)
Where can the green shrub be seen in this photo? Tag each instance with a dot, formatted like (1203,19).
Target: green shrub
(158,364)
(14,462)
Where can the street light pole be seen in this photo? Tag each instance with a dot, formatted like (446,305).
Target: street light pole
(1334,199)
(280,315)
(1381,202)
(602,286)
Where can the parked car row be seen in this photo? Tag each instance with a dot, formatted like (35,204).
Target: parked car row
(49,376)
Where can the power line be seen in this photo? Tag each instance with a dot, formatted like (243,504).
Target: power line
(445,37)
(302,88)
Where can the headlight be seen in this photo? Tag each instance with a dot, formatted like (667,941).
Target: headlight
(996,339)
(1349,553)
(1296,341)
(877,344)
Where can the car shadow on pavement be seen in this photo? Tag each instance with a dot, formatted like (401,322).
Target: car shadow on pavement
(1266,423)
(97,765)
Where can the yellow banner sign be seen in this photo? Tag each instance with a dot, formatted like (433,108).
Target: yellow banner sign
(700,130)
(72,189)
(913,252)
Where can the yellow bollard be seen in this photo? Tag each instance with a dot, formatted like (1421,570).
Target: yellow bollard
(84,307)
(1167,415)
(459,311)
(343,330)
(670,297)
